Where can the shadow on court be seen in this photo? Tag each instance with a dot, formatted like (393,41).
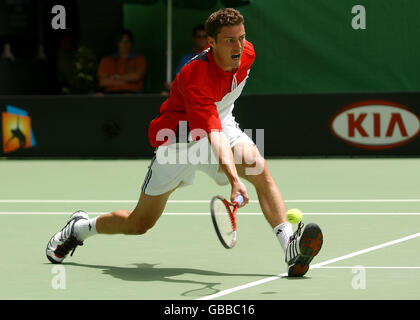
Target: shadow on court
(149,272)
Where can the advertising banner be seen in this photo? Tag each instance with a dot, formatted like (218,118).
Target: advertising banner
(374,124)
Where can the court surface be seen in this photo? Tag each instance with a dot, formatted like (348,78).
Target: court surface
(368,209)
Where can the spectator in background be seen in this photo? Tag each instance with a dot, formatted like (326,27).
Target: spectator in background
(64,62)
(7,52)
(123,72)
(199,39)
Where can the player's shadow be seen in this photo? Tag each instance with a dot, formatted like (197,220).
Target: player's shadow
(149,272)
(296,278)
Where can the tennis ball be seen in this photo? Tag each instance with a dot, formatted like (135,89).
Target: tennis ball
(294,215)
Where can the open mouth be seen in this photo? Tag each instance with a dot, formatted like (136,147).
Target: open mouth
(236,56)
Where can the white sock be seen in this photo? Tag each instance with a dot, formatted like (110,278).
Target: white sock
(283,232)
(85,228)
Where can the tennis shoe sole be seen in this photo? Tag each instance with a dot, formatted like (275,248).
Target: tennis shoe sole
(310,244)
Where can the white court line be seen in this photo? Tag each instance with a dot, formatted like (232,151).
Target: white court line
(360,213)
(354,200)
(207,201)
(208,213)
(67,201)
(367,267)
(318,265)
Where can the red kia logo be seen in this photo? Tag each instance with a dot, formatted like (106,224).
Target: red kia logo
(375,124)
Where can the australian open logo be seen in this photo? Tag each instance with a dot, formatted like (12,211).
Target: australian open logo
(16,130)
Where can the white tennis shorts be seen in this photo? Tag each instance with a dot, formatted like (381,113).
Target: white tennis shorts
(175,165)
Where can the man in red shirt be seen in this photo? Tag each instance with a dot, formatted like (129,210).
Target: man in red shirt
(201,101)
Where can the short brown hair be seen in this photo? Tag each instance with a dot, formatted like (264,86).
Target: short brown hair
(221,18)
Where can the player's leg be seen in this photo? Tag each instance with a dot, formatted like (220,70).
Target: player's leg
(79,227)
(302,246)
(161,180)
(253,167)
(138,221)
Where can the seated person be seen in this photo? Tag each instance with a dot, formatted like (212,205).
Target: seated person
(124,71)
(199,39)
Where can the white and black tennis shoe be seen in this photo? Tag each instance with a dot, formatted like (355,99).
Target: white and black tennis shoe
(303,246)
(65,241)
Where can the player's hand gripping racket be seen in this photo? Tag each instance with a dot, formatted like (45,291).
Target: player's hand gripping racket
(224,219)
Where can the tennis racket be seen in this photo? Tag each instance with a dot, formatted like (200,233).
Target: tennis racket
(224,219)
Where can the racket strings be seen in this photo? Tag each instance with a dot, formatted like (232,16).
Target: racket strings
(224,221)
(224,218)
(231,215)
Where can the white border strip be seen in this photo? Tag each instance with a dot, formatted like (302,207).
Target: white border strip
(347,256)
(67,201)
(368,267)
(208,201)
(208,213)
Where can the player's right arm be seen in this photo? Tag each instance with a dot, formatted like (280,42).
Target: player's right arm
(198,89)
(223,152)
(202,114)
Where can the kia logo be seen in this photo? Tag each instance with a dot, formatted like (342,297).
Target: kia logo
(375,124)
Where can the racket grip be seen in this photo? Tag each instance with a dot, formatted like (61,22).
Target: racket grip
(239,199)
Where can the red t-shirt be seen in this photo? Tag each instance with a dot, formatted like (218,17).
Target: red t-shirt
(195,91)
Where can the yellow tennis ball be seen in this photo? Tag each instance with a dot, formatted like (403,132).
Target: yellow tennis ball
(294,215)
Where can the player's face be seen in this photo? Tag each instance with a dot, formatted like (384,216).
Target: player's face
(228,48)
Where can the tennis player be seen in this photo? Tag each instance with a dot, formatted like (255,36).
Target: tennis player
(202,97)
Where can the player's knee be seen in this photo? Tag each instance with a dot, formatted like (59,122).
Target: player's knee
(139,228)
(259,177)
(136,230)
(255,167)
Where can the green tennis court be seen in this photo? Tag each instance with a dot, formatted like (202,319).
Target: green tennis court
(368,209)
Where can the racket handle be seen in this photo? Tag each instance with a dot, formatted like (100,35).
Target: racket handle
(239,199)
